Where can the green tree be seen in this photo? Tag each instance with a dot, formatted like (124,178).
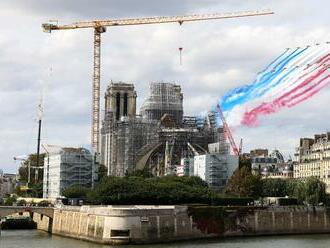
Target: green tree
(145,173)
(274,187)
(35,185)
(311,190)
(23,174)
(102,171)
(245,162)
(36,190)
(314,191)
(76,191)
(299,191)
(155,190)
(24,169)
(244,184)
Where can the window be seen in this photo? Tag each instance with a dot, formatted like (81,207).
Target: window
(125,104)
(117,106)
(119,233)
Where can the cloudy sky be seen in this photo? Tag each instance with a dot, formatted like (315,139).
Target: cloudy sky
(218,55)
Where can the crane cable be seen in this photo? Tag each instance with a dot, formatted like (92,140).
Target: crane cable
(180,41)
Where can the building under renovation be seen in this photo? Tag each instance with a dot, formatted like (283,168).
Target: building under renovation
(65,167)
(164,99)
(159,137)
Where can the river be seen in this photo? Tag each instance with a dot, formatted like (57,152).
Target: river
(39,239)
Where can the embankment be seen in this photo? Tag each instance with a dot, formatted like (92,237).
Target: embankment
(157,224)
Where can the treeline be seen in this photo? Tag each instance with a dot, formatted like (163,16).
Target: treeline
(243,187)
(153,191)
(244,183)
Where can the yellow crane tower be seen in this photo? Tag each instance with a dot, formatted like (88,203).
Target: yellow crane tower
(99,27)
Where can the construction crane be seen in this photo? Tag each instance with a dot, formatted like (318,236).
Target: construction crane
(228,133)
(100,26)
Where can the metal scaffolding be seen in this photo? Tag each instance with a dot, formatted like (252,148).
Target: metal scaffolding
(165,98)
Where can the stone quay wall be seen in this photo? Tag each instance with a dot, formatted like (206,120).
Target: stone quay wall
(158,224)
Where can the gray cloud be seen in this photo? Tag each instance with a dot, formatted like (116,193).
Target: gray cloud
(217,56)
(106,8)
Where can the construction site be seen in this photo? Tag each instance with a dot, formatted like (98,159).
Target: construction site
(160,139)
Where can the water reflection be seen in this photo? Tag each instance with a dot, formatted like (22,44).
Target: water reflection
(39,239)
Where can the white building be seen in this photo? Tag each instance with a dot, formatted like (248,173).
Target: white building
(313,159)
(65,167)
(215,168)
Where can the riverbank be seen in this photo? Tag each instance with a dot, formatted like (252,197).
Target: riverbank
(40,239)
(159,224)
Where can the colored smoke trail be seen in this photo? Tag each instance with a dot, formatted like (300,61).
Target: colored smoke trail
(297,67)
(295,96)
(243,94)
(292,81)
(292,78)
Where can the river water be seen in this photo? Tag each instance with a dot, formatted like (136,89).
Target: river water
(39,239)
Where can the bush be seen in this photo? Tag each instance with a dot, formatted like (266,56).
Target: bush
(21,202)
(9,201)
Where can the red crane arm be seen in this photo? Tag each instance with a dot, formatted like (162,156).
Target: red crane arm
(227,131)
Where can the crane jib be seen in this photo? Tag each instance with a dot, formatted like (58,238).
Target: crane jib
(48,27)
(99,27)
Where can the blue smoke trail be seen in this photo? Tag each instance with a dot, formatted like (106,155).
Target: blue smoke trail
(268,84)
(243,90)
(243,94)
(275,60)
(287,75)
(265,90)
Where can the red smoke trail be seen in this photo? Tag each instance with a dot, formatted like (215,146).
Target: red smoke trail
(320,60)
(250,118)
(312,93)
(323,59)
(309,89)
(310,79)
